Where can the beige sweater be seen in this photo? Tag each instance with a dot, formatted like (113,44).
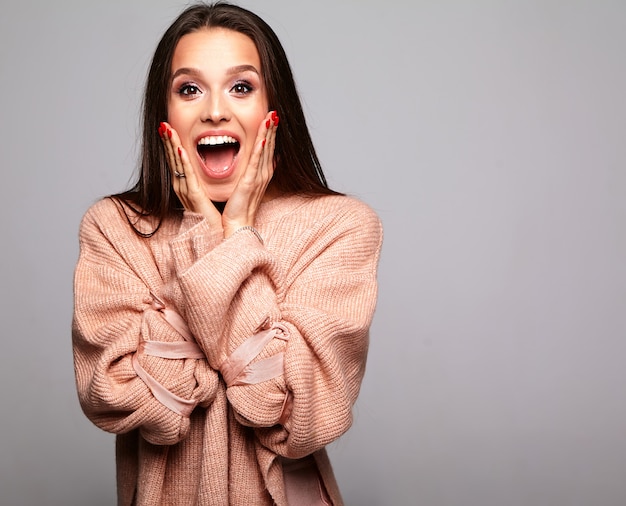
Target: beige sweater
(314,275)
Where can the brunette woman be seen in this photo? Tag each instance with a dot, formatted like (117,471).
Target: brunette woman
(223,304)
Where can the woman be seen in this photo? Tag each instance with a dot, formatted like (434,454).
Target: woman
(222,305)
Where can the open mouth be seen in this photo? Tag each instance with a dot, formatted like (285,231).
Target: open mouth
(218,153)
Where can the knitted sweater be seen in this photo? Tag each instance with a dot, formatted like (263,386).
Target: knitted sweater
(185,434)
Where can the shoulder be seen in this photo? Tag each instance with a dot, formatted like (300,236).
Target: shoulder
(343,205)
(104,209)
(101,215)
(327,208)
(327,219)
(112,216)
(343,213)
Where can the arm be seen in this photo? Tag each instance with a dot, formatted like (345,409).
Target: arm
(114,312)
(325,301)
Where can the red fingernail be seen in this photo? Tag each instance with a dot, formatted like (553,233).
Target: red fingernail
(161,128)
(180,151)
(274,116)
(263,143)
(276,120)
(267,124)
(169,133)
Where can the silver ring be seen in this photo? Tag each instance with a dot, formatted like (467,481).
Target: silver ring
(179,174)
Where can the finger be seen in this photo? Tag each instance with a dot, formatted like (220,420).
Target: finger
(269,144)
(173,152)
(188,174)
(165,134)
(249,181)
(180,164)
(188,184)
(262,170)
(171,143)
(263,134)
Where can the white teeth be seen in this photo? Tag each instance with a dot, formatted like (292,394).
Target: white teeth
(214,140)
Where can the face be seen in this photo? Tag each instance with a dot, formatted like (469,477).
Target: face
(216,104)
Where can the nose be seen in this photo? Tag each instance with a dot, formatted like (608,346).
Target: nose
(216,108)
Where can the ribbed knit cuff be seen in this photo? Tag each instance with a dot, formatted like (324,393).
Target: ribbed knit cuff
(196,240)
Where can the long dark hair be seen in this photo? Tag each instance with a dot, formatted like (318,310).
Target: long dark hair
(297,171)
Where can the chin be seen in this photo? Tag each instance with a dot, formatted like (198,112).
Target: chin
(217,195)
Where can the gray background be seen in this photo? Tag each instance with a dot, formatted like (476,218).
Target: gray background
(488,135)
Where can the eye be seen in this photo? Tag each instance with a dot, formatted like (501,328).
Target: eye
(242,88)
(188,90)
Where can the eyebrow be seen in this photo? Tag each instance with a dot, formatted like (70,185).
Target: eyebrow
(231,71)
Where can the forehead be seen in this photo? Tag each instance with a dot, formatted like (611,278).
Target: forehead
(215,48)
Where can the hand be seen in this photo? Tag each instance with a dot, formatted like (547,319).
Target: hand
(188,188)
(242,206)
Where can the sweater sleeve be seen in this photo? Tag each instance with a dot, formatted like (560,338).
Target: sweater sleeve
(114,314)
(325,300)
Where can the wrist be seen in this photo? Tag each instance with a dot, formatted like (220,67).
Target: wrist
(249,228)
